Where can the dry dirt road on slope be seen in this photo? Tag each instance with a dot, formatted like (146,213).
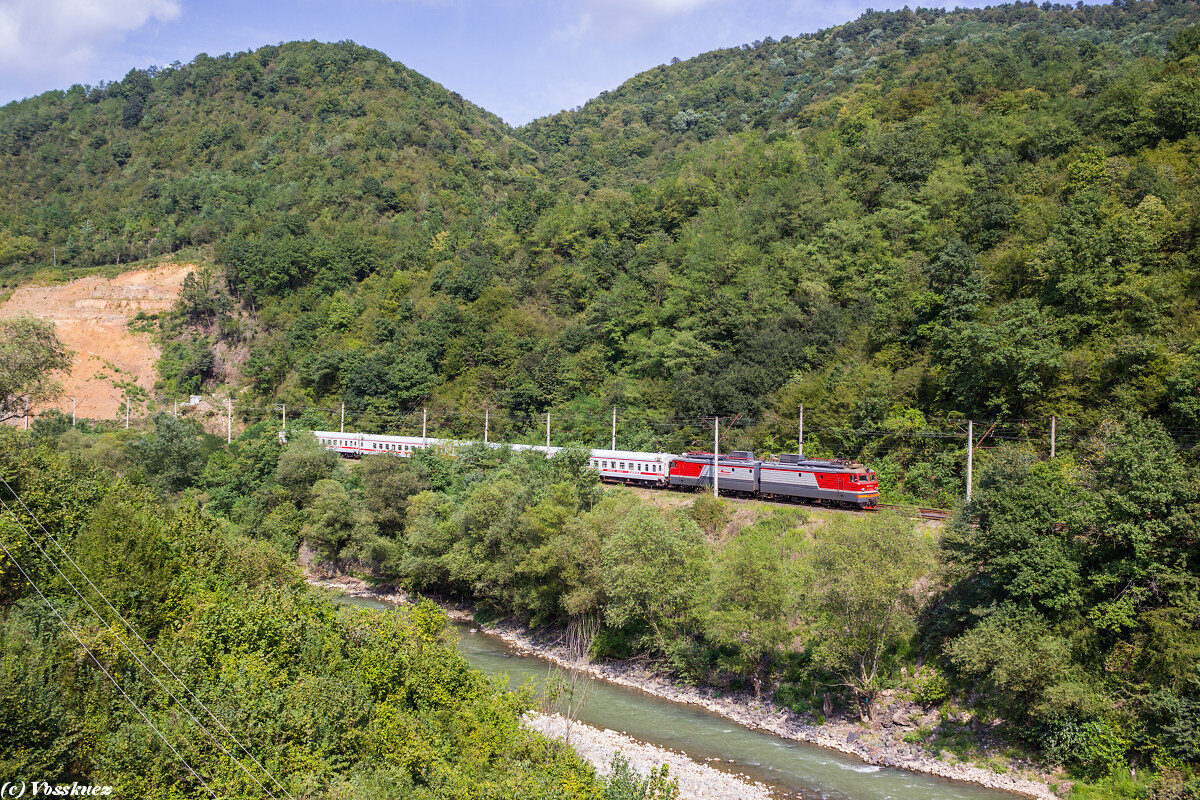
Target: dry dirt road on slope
(92,316)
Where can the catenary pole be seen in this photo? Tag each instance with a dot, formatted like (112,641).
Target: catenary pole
(1053,434)
(127,411)
(716,447)
(424,419)
(343,428)
(72,411)
(970,453)
(547,433)
(614,432)
(800,441)
(27,413)
(176,412)
(485,425)
(228,420)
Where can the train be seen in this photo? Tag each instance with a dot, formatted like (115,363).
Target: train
(789,476)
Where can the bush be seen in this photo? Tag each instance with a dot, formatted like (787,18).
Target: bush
(1093,749)
(930,686)
(710,514)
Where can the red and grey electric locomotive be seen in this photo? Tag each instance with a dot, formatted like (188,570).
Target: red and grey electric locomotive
(790,476)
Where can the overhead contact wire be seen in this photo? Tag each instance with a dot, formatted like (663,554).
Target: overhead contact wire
(212,736)
(96,661)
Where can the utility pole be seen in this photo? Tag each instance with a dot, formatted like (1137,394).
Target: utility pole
(486,417)
(72,411)
(27,413)
(547,433)
(343,428)
(800,441)
(126,410)
(1053,432)
(424,419)
(228,420)
(614,435)
(176,408)
(283,418)
(716,447)
(970,453)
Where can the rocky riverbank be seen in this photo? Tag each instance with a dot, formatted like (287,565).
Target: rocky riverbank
(883,746)
(696,781)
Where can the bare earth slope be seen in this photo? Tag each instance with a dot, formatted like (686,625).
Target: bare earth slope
(92,316)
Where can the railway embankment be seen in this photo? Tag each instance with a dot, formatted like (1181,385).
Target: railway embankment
(892,739)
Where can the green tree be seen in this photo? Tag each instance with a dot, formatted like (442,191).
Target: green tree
(304,462)
(864,596)
(388,484)
(130,551)
(1010,544)
(1141,533)
(751,597)
(654,568)
(30,355)
(1016,660)
(171,454)
(336,522)
(202,296)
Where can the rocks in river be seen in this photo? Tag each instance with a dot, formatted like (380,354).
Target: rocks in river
(696,781)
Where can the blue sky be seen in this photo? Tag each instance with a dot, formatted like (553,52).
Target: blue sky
(520,59)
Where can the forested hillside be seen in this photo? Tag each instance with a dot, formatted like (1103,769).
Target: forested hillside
(918,215)
(329,144)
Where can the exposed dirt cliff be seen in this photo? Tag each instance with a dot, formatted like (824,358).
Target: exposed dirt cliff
(92,315)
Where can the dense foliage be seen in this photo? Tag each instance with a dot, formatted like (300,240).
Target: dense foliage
(988,212)
(332,701)
(1060,605)
(517,534)
(1075,605)
(915,217)
(33,356)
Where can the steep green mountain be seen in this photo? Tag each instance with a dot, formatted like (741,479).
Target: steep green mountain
(985,213)
(910,60)
(336,141)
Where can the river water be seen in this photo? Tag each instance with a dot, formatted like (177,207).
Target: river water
(791,769)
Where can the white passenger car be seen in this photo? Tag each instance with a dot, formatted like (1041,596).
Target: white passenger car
(631,466)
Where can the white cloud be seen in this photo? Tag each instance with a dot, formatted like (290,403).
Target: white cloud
(46,39)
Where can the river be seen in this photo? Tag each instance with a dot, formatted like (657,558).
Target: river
(791,769)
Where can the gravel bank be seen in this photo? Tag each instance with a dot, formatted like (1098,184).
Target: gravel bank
(879,747)
(696,781)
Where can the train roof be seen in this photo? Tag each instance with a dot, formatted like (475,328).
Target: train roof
(828,464)
(632,455)
(376,437)
(733,455)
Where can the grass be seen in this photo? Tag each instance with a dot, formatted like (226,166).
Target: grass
(918,736)
(1121,786)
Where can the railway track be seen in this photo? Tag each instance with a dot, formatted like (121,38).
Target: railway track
(915,511)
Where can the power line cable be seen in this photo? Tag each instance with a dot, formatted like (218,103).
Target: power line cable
(96,661)
(132,630)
